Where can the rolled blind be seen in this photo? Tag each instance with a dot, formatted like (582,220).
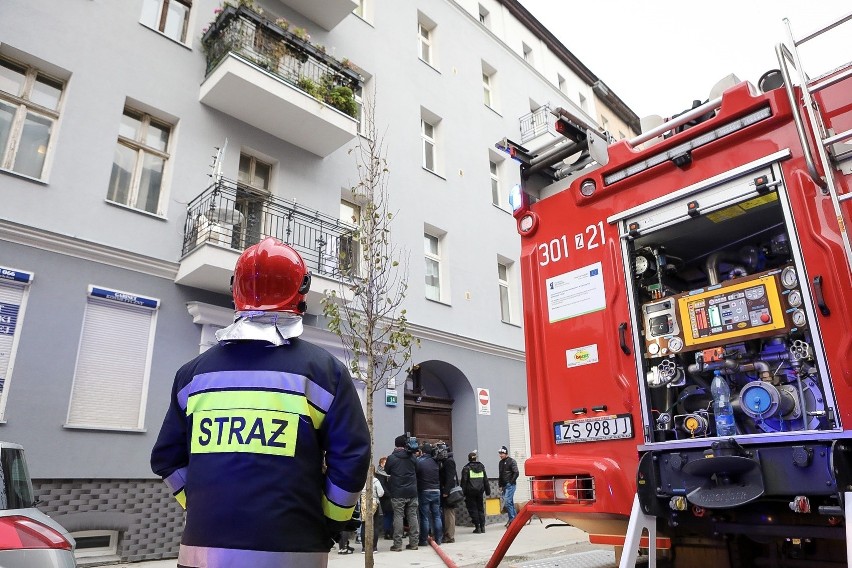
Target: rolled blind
(111,377)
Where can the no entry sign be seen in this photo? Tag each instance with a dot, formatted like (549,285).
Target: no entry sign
(483,399)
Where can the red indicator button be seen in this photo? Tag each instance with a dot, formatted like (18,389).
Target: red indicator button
(764,318)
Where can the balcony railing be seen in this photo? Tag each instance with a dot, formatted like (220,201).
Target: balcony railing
(272,46)
(536,123)
(235,216)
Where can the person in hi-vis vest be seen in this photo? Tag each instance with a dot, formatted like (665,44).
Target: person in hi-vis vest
(265,442)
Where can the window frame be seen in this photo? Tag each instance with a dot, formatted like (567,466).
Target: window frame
(162,19)
(425,42)
(24,107)
(431,140)
(504,286)
(434,257)
(141,149)
(496,186)
(527,52)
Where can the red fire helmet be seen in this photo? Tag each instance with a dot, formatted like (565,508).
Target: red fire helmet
(271,276)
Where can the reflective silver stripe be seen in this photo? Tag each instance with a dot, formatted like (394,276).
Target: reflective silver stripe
(206,557)
(340,496)
(176,480)
(290,382)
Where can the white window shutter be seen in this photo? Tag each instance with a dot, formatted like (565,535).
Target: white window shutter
(519,450)
(113,362)
(12,298)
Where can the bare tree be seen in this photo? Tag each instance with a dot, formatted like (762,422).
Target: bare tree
(367,314)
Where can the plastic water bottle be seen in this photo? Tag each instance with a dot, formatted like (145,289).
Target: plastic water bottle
(725,424)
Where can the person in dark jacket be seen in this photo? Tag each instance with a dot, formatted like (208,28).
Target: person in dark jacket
(403,490)
(429,496)
(474,482)
(507,478)
(449,479)
(264,442)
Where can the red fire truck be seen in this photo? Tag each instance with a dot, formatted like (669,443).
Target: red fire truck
(688,319)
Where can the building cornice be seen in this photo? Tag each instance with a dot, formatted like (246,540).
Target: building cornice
(86,250)
(468,343)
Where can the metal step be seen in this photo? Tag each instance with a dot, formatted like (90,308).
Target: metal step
(588,559)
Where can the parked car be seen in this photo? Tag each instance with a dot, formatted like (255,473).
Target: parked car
(28,537)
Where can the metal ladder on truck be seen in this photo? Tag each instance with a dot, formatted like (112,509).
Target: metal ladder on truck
(826,149)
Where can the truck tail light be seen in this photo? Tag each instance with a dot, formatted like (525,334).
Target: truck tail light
(17,532)
(571,489)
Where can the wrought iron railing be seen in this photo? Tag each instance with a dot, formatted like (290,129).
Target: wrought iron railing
(235,216)
(271,46)
(537,122)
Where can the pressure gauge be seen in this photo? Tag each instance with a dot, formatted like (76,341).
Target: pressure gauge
(789,278)
(799,318)
(641,265)
(653,348)
(675,344)
(794,298)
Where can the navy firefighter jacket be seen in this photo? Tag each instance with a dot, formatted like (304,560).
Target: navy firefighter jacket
(242,447)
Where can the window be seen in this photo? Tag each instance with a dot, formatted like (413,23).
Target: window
(584,104)
(347,252)
(484,17)
(495,182)
(528,54)
(562,84)
(252,196)
(432,252)
(96,543)
(140,162)
(503,284)
(426,39)
(604,123)
(14,290)
(425,43)
(113,361)
(29,109)
(171,17)
(488,85)
(427,132)
(361,9)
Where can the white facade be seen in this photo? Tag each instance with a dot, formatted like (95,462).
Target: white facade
(109,122)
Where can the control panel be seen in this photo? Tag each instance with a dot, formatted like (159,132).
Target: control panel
(758,305)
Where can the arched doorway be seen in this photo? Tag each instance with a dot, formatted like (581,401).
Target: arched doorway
(430,390)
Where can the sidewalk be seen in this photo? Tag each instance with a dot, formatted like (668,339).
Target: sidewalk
(469,550)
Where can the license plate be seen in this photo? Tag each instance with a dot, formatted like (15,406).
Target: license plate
(594,429)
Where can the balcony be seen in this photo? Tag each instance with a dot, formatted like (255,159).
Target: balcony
(326,13)
(539,126)
(272,78)
(229,217)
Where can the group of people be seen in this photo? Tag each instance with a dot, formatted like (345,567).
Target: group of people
(421,490)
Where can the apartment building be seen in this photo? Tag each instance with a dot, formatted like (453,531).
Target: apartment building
(144,144)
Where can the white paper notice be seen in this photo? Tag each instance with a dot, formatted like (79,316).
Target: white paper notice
(575,293)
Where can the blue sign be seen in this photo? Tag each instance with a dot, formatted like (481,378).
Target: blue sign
(124,297)
(15,275)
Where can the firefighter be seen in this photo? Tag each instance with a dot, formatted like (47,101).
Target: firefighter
(474,483)
(265,442)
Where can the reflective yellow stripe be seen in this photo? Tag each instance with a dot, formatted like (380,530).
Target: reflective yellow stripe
(336,512)
(181,498)
(258,400)
(477,474)
(242,430)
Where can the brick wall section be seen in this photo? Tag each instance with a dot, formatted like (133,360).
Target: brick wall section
(155,518)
